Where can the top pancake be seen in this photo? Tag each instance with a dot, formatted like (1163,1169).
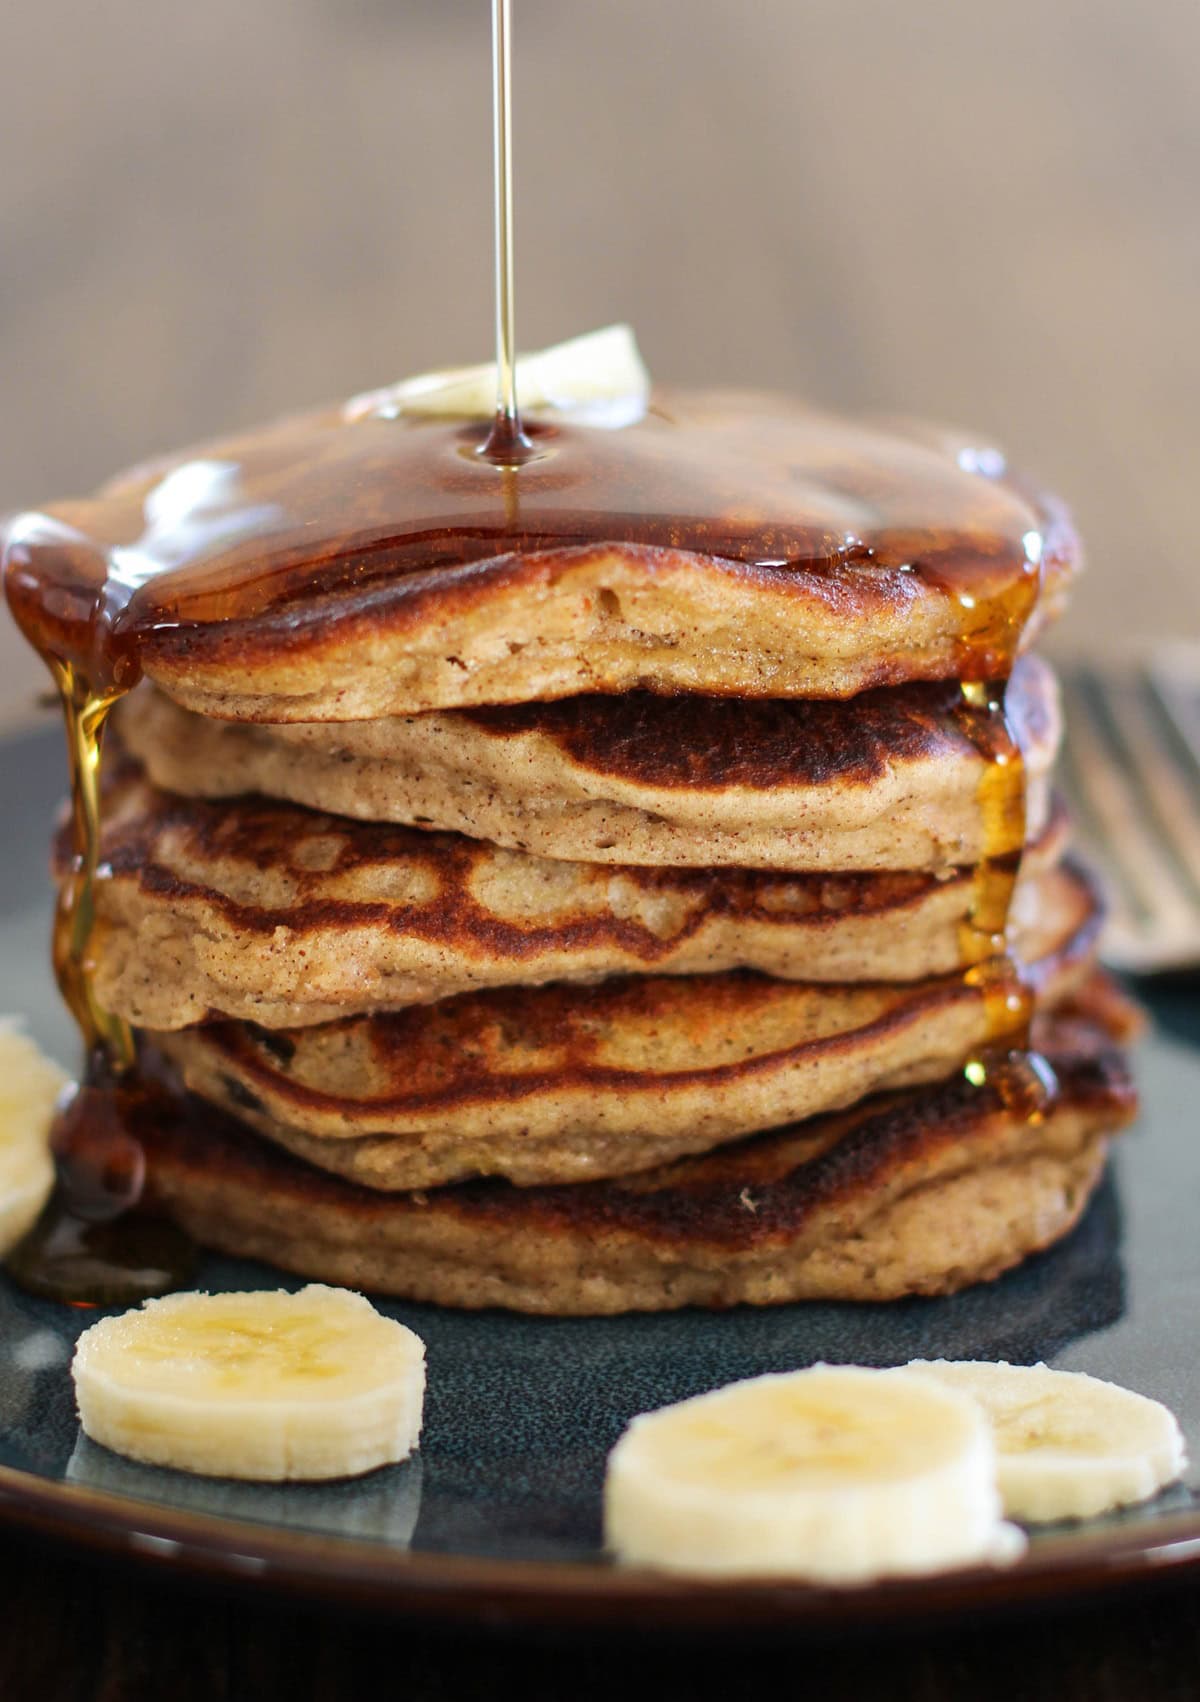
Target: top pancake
(344,566)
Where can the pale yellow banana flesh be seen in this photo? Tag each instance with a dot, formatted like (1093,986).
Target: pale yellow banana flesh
(1068,1446)
(263,1385)
(597,379)
(835,1474)
(30,1084)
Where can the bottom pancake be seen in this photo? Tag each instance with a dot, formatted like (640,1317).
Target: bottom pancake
(920,1192)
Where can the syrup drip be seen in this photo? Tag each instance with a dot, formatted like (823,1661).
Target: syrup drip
(93,1245)
(1023,1078)
(85,714)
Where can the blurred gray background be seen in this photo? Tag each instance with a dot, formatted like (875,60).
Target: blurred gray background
(986,213)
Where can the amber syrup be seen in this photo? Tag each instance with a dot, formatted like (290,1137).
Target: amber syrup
(507,444)
(92,1245)
(1005,1064)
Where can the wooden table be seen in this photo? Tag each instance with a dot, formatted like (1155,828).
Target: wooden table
(78,1631)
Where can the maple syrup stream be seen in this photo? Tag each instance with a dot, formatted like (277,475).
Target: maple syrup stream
(506,444)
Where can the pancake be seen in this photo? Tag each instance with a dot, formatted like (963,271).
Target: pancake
(566,1083)
(340,565)
(922,1192)
(890,781)
(270,913)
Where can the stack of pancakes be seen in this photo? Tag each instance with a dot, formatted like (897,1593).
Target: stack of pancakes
(562,940)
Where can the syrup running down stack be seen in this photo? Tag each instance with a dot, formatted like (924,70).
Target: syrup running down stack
(615,871)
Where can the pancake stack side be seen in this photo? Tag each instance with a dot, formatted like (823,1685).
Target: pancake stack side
(617,934)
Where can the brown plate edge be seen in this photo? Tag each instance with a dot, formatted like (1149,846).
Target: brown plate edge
(456,1589)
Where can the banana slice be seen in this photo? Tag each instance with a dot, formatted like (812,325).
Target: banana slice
(835,1474)
(598,379)
(1068,1446)
(30,1084)
(267,1386)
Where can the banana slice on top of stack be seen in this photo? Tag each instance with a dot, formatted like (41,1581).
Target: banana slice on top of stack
(598,379)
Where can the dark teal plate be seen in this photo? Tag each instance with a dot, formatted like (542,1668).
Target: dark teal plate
(498,1519)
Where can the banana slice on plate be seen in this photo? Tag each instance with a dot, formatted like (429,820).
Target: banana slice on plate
(836,1474)
(266,1385)
(1068,1446)
(30,1084)
(598,379)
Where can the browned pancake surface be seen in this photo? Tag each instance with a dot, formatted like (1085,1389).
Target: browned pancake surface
(698,744)
(890,781)
(918,1192)
(337,566)
(563,1083)
(272,913)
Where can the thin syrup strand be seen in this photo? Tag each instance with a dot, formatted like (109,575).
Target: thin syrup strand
(506,442)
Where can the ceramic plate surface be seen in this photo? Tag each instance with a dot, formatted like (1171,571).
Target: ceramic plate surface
(499,1516)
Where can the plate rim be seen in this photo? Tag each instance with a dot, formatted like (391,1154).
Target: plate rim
(450,1589)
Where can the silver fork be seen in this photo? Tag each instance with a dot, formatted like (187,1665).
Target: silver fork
(1131,770)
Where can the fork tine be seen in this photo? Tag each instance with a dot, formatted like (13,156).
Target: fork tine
(1127,910)
(1174,675)
(1172,795)
(1157,912)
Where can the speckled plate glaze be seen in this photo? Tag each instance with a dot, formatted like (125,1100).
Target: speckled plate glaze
(498,1519)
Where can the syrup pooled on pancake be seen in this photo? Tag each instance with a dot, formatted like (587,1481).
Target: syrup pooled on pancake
(248,543)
